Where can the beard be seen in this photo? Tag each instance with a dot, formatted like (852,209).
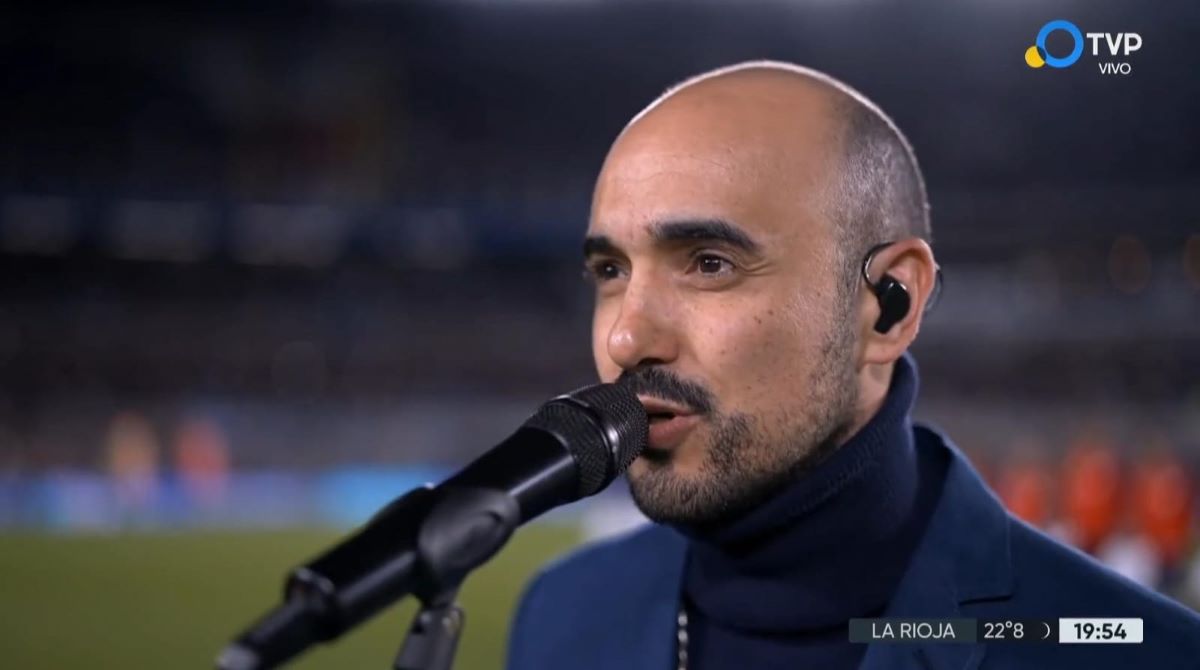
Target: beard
(747,459)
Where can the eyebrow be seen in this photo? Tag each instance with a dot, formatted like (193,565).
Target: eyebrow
(666,233)
(596,245)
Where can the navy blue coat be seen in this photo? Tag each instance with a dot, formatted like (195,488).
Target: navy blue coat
(613,605)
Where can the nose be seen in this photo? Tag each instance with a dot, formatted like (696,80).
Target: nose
(643,333)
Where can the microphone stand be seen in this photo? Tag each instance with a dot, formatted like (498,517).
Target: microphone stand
(432,638)
(446,553)
(425,544)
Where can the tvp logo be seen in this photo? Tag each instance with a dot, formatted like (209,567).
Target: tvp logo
(1123,44)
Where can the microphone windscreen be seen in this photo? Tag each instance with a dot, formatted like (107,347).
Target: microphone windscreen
(604,427)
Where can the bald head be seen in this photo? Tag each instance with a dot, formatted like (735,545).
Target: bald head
(868,187)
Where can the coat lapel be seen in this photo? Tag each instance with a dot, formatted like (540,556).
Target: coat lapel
(963,557)
(654,596)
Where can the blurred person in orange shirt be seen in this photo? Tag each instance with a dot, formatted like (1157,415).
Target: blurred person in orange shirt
(132,453)
(1091,491)
(1025,484)
(1163,506)
(202,460)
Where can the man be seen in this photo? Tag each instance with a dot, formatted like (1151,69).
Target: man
(759,241)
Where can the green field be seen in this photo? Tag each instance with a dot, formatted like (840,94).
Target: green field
(173,600)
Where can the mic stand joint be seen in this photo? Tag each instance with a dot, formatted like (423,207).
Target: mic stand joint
(432,639)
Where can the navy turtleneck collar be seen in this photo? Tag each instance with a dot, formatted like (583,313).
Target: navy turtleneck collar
(831,546)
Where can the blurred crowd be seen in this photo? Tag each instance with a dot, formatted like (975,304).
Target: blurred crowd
(1137,512)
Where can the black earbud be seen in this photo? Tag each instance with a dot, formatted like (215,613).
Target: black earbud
(892,295)
(893,302)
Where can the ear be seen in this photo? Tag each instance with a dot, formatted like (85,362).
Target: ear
(910,262)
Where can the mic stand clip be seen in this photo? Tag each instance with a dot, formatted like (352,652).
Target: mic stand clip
(447,550)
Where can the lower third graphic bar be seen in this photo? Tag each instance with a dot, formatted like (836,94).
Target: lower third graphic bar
(897,630)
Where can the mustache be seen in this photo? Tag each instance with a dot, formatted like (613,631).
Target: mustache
(664,384)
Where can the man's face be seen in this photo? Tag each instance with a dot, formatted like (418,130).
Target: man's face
(717,302)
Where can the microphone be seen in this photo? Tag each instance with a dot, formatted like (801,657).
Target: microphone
(428,540)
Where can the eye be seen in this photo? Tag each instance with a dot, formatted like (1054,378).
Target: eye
(712,265)
(601,270)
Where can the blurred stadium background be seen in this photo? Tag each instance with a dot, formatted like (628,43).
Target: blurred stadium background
(262,269)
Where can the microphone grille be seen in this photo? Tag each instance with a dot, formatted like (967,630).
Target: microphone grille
(604,427)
